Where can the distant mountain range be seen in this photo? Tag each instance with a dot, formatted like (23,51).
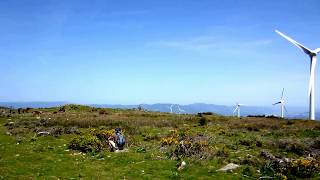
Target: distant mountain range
(293,112)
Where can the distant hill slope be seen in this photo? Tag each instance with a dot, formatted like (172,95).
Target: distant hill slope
(33,104)
(293,112)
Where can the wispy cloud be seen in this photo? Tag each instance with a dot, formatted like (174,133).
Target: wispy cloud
(186,44)
(218,38)
(210,43)
(128,13)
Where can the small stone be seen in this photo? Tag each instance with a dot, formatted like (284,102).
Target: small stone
(286,160)
(163,149)
(182,165)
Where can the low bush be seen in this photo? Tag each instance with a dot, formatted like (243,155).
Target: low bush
(103,112)
(250,142)
(86,143)
(297,168)
(248,171)
(223,152)
(202,121)
(167,141)
(292,146)
(102,134)
(303,168)
(191,147)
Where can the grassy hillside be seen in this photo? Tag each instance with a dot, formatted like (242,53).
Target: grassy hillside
(157,143)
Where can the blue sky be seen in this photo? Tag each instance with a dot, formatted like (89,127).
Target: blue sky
(177,51)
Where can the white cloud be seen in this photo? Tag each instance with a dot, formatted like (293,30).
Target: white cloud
(210,43)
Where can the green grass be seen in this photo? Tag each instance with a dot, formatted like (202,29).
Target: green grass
(23,155)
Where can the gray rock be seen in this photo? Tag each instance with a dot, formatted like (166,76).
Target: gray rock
(43,133)
(229,167)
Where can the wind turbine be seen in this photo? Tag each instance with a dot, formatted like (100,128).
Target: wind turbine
(171,108)
(313,60)
(283,107)
(180,110)
(237,108)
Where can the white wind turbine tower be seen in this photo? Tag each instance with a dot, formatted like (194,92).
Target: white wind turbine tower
(237,109)
(281,102)
(313,60)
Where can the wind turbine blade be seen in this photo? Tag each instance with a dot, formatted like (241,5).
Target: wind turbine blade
(276,103)
(317,50)
(235,109)
(311,84)
(285,108)
(300,46)
(282,93)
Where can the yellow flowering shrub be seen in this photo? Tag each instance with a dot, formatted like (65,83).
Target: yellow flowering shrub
(107,133)
(168,141)
(174,132)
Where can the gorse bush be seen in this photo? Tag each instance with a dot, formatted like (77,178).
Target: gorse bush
(202,121)
(183,145)
(86,143)
(297,168)
(303,167)
(187,148)
(168,141)
(102,134)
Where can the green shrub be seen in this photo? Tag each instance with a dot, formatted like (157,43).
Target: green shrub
(310,133)
(292,146)
(191,147)
(103,112)
(202,121)
(298,168)
(224,152)
(86,143)
(303,168)
(248,171)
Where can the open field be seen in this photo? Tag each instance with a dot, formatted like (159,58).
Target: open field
(157,143)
